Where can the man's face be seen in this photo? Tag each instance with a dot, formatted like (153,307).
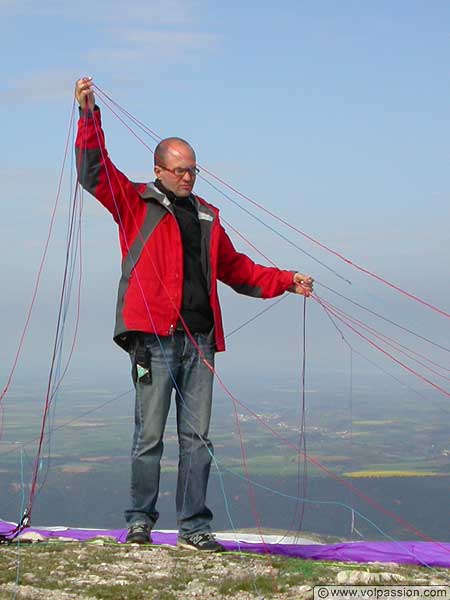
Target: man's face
(178,156)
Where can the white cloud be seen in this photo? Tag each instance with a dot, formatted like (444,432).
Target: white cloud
(131,37)
(143,12)
(139,46)
(41,86)
(11,7)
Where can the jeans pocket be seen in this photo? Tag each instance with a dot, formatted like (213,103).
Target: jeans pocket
(206,346)
(141,359)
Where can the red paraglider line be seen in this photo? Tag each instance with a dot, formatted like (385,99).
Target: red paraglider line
(287,224)
(414,372)
(38,277)
(362,495)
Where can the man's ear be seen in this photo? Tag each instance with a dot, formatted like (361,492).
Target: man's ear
(157,171)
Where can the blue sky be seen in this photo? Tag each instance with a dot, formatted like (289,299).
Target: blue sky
(334,115)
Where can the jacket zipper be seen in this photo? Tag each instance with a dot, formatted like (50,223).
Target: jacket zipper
(172,327)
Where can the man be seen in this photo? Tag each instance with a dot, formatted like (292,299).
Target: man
(168,315)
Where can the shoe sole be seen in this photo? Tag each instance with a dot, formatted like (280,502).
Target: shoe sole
(139,542)
(187,546)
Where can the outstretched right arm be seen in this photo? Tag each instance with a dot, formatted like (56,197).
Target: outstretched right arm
(96,172)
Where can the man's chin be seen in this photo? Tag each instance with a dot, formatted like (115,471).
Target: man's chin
(184,192)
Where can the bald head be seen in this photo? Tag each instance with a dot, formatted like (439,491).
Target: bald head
(171,146)
(175,165)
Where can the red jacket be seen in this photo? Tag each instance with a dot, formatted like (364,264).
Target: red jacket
(150,289)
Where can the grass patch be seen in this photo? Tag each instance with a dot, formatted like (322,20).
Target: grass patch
(287,572)
(369,473)
(7,573)
(296,571)
(262,584)
(126,592)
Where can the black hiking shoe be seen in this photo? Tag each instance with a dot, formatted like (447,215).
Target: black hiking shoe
(139,533)
(204,541)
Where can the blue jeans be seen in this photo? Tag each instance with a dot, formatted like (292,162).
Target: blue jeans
(174,364)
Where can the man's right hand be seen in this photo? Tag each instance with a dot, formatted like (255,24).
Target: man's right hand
(84,94)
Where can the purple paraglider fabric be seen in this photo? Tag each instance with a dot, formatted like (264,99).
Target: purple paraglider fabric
(431,554)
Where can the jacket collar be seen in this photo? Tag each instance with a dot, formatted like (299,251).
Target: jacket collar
(151,192)
(156,191)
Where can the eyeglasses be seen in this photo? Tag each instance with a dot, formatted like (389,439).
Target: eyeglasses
(181,171)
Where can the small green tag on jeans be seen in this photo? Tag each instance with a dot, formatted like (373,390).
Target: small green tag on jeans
(141,371)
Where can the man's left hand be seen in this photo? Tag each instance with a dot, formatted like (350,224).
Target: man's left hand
(302,284)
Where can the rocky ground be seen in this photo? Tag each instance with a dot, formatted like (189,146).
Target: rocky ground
(105,570)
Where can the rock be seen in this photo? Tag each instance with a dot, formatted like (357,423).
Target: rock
(391,577)
(366,578)
(303,592)
(31,536)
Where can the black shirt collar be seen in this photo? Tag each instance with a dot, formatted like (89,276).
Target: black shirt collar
(170,195)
